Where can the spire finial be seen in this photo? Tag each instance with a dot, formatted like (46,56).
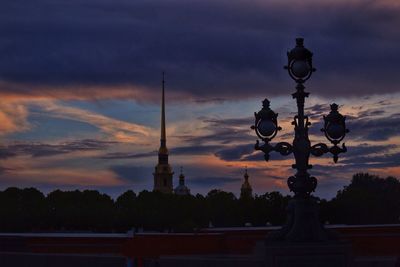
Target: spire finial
(163,79)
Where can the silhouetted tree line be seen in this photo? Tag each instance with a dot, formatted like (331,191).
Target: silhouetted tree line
(368,199)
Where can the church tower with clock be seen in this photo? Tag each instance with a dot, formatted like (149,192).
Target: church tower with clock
(163,172)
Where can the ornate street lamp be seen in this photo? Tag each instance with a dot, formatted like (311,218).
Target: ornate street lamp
(303,222)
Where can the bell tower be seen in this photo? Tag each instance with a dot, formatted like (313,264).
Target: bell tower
(163,172)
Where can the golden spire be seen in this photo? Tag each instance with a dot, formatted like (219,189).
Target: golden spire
(163,140)
(163,172)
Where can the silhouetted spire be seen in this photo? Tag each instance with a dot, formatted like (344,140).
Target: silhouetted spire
(163,171)
(163,139)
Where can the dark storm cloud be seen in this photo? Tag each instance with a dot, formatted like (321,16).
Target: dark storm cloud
(371,113)
(228,122)
(210,100)
(361,158)
(224,131)
(367,149)
(259,156)
(381,161)
(221,135)
(122,155)
(366,156)
(224,48)
(194,150)
(178,151)
(317,111)
(6,153)
(370,125)
(234,153)
(375,129)
(45,150)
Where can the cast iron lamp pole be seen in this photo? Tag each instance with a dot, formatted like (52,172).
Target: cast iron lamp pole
(303,221)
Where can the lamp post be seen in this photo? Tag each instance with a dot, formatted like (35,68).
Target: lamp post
(303,223)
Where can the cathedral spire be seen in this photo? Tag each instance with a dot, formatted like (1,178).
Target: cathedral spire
(163,171)
(163,134)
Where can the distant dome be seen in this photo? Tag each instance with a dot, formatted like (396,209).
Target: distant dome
(182,189)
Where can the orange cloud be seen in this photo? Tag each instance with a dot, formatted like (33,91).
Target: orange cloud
(117,129)
(23,92)
(13,117)
(14,114)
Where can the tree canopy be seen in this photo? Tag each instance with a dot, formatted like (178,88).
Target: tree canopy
(368,199)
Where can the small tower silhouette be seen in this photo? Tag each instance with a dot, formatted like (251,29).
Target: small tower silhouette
(163,172)
(182,189)
(246,192)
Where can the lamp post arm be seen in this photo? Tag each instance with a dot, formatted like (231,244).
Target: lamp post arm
(283,148)
(321,149)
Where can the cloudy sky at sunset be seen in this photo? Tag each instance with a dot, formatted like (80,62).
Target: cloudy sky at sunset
(80,87)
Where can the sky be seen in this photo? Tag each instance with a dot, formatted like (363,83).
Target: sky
(80,89)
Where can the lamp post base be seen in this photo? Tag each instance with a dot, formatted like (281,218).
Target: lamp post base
(303,241)
(302,225)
